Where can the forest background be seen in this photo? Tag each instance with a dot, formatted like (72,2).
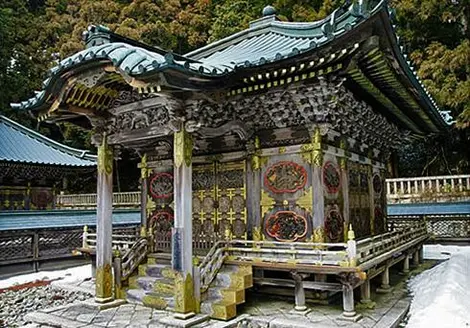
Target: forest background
(35,34)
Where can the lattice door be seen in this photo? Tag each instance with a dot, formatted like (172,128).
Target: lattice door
(219,202)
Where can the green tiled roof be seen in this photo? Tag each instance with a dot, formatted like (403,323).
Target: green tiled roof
(265,42)
(22,145)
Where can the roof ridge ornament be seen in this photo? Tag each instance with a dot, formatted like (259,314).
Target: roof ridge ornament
(269,15)
(96,35)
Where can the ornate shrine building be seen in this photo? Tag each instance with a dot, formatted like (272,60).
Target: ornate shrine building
(33,167)
(263,151)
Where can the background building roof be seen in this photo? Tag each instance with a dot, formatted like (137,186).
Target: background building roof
(22,145)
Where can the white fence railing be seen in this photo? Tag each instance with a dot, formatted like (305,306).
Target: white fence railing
(436,188)
(403,190)
(120,199)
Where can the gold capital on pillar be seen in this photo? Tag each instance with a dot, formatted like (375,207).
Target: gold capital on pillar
(105,157)
(183,148)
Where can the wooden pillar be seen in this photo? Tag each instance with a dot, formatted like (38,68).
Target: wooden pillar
(343,164)
(348,302)
(318,197)
(254,192)
(365,292)
(182,233)
(385,286)
(143,193)
(370,175)
(104,226)
(416,258)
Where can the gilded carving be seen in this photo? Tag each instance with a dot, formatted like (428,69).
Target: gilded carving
(305,201)
(104,281)
(266,199)
(184,293)
(183,148)
(105,158)
(144,170)
(285,177)
(319,235)
(257,234)
(286,226)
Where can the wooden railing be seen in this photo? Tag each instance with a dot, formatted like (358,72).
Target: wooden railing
(430,189)
(360,254)
(129,199)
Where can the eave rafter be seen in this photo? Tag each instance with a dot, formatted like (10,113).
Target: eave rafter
(378,69)
(359,78)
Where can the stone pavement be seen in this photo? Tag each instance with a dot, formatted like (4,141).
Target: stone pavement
(260,310)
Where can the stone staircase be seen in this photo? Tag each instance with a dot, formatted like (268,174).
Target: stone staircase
(226,291)
(154,288)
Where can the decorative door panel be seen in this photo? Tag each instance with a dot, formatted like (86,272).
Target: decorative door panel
(359,198)
(159,207)
(331,180)
(231,197)
(378,186)
(286,198)
(219,200)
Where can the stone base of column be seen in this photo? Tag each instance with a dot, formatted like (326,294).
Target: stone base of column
(384,289)
(300,310)
(99,304)
(350,316)
(172,321)
(184,316)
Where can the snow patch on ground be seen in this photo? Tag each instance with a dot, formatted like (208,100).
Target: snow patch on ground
(440,294)
(70,275)
(442,252)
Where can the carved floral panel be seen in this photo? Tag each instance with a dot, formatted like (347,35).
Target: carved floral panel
(161,185)
(334,224)
(331,177)
(286,226)
(285,177)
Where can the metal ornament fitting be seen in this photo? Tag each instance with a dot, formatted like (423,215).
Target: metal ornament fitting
(183,148)
(105,158)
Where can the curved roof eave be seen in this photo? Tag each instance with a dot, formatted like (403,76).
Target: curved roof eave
(29,146)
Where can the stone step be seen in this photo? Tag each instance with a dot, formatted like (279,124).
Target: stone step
(150,299)
(236,296)
(159,258)
(233,279)
(156,270)
(219,309)
(164,286)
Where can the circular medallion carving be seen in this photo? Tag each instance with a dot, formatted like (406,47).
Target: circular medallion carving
(208,227)
(238,203)
(238,228)
(208,204)
(224,204)
(331,177)
(162,222)
(285,177)
(286,226)
(196,205)
(334,225)
(377,183)
(161,185)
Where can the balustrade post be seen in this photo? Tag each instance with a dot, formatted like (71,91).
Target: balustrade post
(85,237)
(118,291)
